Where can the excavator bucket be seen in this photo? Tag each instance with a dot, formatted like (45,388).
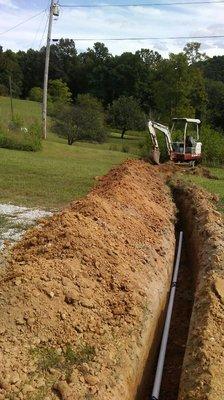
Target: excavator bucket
(155,156)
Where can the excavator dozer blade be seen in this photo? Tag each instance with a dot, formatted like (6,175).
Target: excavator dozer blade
(155,156)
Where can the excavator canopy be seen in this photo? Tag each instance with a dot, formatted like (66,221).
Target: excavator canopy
(190,120)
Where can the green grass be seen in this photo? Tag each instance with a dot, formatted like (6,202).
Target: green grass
(59,173)
(212,185)
(48,357)
(54,176)
(29,110)
(130,144)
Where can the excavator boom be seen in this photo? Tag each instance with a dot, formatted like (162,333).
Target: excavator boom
(155,154)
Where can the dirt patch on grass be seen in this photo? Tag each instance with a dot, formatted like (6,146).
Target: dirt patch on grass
(84,292)
(202,171)
(202,372)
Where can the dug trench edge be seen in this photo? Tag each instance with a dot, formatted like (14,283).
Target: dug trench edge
(202,375)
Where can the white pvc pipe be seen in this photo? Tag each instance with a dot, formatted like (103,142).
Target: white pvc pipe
(162,352)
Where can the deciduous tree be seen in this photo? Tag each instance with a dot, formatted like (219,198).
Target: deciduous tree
(126,114)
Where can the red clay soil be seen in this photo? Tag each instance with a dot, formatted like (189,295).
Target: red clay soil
(203,366)
(82,296)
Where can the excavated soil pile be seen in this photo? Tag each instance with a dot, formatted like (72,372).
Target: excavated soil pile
(203,371)
(84,292)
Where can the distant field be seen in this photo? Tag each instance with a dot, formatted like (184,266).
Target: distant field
(59,173)
(54,176)
(29,110)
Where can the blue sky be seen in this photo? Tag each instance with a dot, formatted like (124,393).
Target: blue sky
(97,23)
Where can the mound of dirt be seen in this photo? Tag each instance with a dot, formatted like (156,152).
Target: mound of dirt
(83,293)
(203,372)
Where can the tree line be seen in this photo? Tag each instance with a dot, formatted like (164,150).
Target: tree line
(185,84)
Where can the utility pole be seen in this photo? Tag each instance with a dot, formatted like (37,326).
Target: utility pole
(10,91)
(53,11)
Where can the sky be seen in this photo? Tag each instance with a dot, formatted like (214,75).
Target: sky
(107,22)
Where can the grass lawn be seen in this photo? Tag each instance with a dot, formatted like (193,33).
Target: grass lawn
(29,110)
(213,185)
(59,173)
(54,176)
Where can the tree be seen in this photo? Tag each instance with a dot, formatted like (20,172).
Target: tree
(9,67)
(88,101)
(213,68)
(99,52)
(4,91)
(64,123)
(89,118)
(59,91)
(198,95)
(94,71)
(63,61)
(36,94)
(192,51)
(149,57)
(126,114)
(215,93)
(84,121)
(163,88)
(32,66)
(172,88)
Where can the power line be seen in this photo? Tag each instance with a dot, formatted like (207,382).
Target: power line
(37,31)
(140,4)
(44,31)
(22,22)
(145,38)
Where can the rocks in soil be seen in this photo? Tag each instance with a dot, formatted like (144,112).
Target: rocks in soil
(88,281)
(64,390)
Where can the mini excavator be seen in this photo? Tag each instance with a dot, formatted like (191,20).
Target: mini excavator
(187,150)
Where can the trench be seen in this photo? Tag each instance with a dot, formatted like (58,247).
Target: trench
(188,366)
(178,333)
(179,328)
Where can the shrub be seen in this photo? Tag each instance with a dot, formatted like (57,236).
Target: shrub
(59,91)
(212,146)
(36,94)
(25,139)
(17,123)
(3,90)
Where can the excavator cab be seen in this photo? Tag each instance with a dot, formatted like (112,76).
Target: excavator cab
(185,148)
(188,149)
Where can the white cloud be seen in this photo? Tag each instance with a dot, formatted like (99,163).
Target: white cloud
(7,3)
(117,22)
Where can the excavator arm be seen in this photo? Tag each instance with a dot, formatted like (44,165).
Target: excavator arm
(155,155)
